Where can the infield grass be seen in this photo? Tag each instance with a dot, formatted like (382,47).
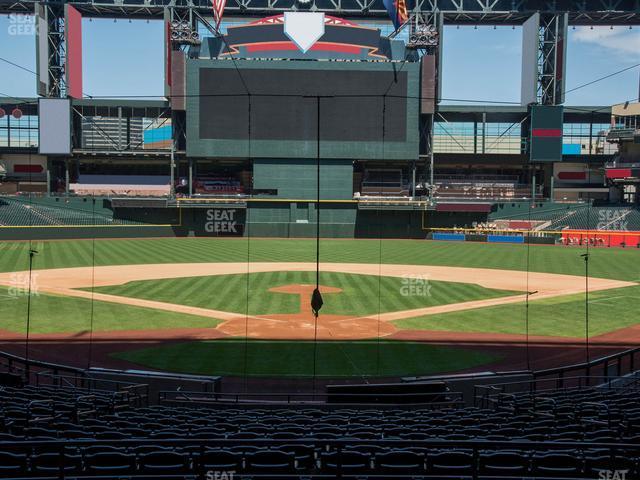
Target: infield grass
(361,294)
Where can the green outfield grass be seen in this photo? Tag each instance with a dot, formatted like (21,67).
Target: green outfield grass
(609,310)
(613,263)
(333,359)
(359,294)
(59,314)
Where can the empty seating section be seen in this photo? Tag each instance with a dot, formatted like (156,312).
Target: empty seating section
(520,436)
(581,217)
(499,187)
(384,183)
(219,185)
(21,211)
(118,185)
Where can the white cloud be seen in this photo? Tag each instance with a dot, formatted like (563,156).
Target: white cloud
(620,41)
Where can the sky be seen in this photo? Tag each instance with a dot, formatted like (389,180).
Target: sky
(126,59)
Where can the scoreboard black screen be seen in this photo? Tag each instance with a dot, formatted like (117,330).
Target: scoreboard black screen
(265,112)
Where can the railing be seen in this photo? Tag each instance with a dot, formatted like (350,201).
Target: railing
(15,364)
(42,373)
(556,378)
(616,360)
(440,399)
(136,394)
(487,396)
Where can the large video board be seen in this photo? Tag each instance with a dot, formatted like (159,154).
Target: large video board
(267,109)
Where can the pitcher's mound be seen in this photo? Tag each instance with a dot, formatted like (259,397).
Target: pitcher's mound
(303,325)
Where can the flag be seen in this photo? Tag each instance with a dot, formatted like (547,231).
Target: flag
(397,10)
(218,10)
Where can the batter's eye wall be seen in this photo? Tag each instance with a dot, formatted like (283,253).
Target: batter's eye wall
(279,117)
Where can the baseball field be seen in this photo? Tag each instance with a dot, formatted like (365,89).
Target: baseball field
(241,307)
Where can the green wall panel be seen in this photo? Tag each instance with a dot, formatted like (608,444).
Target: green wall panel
(336,178)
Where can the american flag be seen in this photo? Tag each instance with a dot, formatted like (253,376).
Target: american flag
(218,10)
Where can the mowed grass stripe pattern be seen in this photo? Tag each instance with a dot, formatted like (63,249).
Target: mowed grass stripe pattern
(361,294)
(561,316)
(615,263)
(296,359)
(60,314)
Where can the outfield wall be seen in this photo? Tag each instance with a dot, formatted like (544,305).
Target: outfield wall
(279,219)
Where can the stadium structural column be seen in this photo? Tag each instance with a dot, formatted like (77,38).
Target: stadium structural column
(413,179)
(48,172)
(172,167)
(533,188)
(66,176)
(50,50)
(484,132)
(552,53)
(190,177)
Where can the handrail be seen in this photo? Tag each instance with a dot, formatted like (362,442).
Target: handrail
(490,392)
(480,444)
(593,363)
(185,397)
(481,396)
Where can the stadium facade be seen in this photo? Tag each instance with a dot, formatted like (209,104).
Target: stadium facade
(247,111)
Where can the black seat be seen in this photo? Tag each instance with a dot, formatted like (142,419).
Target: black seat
(400,463)
(503,463)
(164,461)
(556,464)
(269,462)
(346,462)
(220,460)
(51,463)
(12,463)
(110,463)
(597,463)
(450,463)
(303,454)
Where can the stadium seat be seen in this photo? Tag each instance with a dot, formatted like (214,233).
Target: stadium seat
(503,463)
(165,462)
(347,462)
(270,462)
(52,463)
(556,464)
(110,463)
(220,460)
(450,463)
(12,463)
(400,463)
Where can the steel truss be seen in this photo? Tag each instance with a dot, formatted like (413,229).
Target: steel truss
(551,49)
(477,12)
